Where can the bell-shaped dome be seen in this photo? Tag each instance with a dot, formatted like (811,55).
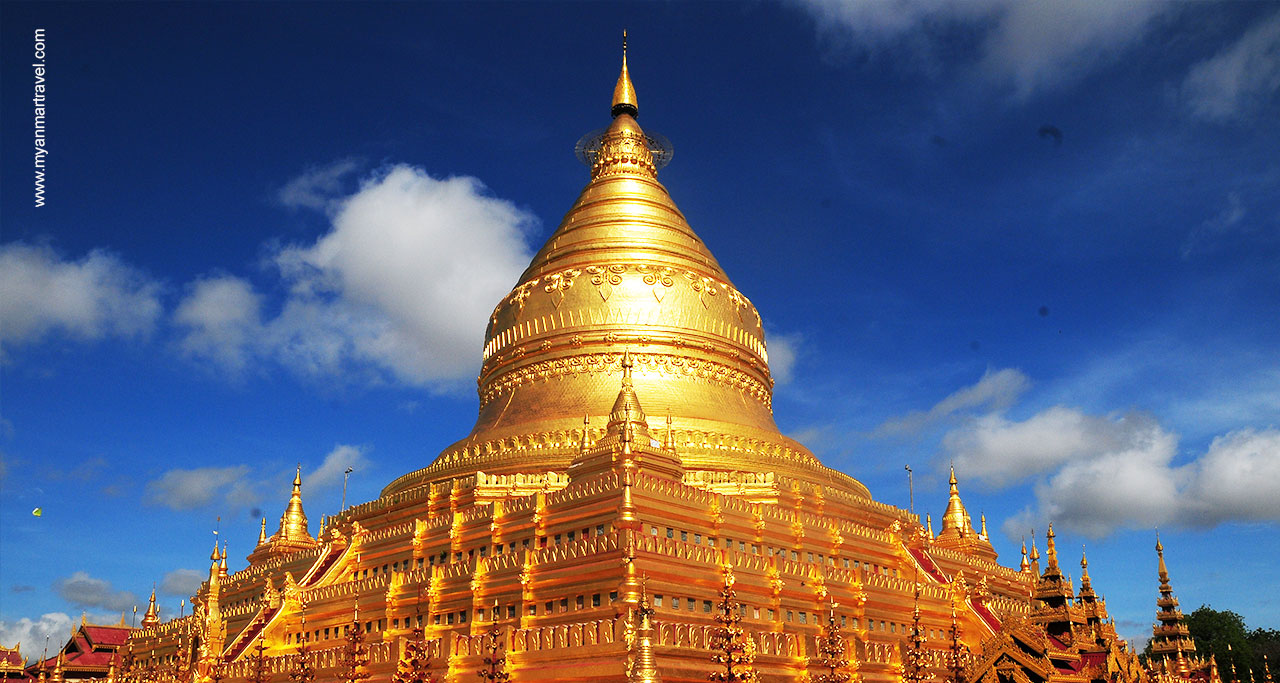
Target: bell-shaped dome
(624,272)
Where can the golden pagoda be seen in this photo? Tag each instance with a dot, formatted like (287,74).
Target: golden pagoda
(1173,658)
(529,540)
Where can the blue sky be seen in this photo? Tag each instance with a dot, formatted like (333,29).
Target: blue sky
(1038,240)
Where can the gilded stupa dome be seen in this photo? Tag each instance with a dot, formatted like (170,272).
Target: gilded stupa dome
(624,272)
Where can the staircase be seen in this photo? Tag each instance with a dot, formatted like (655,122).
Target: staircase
(250,633)
(322,566)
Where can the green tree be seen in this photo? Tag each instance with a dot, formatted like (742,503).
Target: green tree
(1217,630)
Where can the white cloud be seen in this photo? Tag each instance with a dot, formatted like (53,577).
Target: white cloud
(83,590)
(401,286)
(1238,478)
(330,472)
(1131,484)
(222,319)
(993,391)
(1045,44)
(32,633)
(182,582)
(180,489)
(782,355)
(1227,219)
(95,297)
(1027,45)
(1233,83)
(1094,473)
(318,187)
(999,452)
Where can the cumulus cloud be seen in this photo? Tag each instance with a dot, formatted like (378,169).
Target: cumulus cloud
(1028,45)
(400,287)
(180,489)
(330,472)
(1242,77)
(1095,473)
(95,297)
(83,590)
(993,391)
(318,187)
(182,582)
(1238,478)
(1000,452)
(32,633)
(221,316)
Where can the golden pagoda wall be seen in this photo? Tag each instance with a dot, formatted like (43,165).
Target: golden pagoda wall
(431,552)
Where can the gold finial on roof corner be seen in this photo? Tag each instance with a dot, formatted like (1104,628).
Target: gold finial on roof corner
(214,555)
(262,533)
(586,431)
(1025,565)
(1051,549)
(983,533)
(624,93)
(1035,552)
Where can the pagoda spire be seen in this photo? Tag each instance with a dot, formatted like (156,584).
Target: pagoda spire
(1086,586)
(293,523)
(1025,565)
(262,533)
(624,93)
(627,443)
(1170,636)
(955,521)
(957,529)
(152,617)
(668,438)
(1051,552)
(222,568)
(644,667)
(1035,554)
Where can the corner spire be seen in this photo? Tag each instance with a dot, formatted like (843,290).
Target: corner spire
(1086,585)
(262,533)
(645,668)
(293,523)
(955,521)
(1051,551)
(152,617)
(624,93)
